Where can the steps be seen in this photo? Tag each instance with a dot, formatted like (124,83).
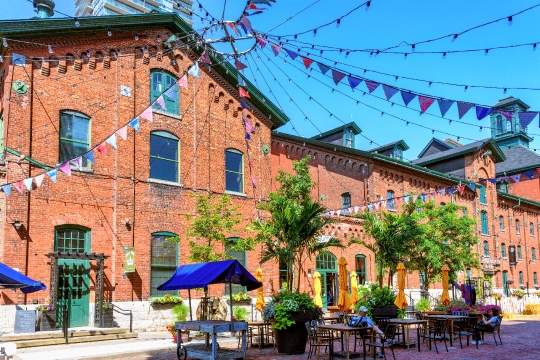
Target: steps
(46,338)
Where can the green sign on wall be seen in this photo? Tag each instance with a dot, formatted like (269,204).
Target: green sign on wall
(129,262)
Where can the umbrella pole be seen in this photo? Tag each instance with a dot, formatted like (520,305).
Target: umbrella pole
(230,298)
(189,298)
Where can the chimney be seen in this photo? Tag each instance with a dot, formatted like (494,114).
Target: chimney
(44,8)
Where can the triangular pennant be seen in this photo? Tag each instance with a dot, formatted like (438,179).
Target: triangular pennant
(338,212)
(245,21)
(370,207)
(324,69)
(66,168)
(239,65)
(244,104)
(242,92)
(276,49)
(122,132)
(102,149)
(254,7)
(451,191)
(231,25)
(529,174)
(256,12)
(414,197)
(182,82)
(250,128)
(472,187)
(406,198)
(442,191)
(337,76)
(423,197)
(371,85)
(292,54)
(482,112)
(135,124)
(525,118)
(28,183)
(363,208)
(399,200)
(507,114)
(356,208)
(389,91)
(6,189)
(432,194)
(463,107)
(52,174)
(194,70)
(39,179)
(516,178)
(425,103)
(248,137)
(262,42)
(254,181)
(407,97)
(377,204)
(383,203)
(160,102)
(241,81)
(172,93)
(307,62)
(77,162)
(461,189)
(353,82)
(19,186)
(112,140)
(205,58)
(444,106)
(147,114)
(350,210)
(332,212)
(493,181)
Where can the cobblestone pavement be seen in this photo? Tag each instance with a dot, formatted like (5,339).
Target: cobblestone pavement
(521,340)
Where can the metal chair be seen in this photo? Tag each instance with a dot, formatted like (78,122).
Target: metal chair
(317,338)
(479,331)
(434,331)
(464,326)
(386,343)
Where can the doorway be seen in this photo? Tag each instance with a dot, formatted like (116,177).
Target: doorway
(74,291)
(326,265)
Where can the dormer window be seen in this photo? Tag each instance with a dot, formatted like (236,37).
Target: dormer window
(348,138)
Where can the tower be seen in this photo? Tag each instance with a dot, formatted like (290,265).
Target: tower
(506,129)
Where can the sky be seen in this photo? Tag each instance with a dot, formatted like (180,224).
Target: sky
(386,23)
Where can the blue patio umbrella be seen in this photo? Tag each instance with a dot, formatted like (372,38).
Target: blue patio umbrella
(12,279)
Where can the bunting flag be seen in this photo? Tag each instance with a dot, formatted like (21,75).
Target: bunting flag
(338,212)
(451,191)
(246,23)
(205,58)
(493,181)
(242,92)
(425,103)
(160,102)
(135,124)
(371,85)
(529,174)
(261,42)
(147,114)
(407,97)
(248,137)
(307,62)
(472,187)
(6,189)
(377,205)
(172,93)
(28,183)
(389,91)
(337,76)
(383,203)
(250,128)
(19,186)
(353,82)
(442,191)
(350,210)
(432,194)
(241,81)
(266,2)
(66,168)
(482,112)
(292,54)
(444,106)
(39,179)
(423,197)
(254,182)
(516,177)
(370,207)
(77,162)
(399,200)
(52,174)
(507,114)
(112,140)
(275,49)
(525,118)
(463,107)
(254,7)
(406,198)
(244,104)
(231,25)
(461,188)
(324,69)
(194,70)
(122,132)
(332,212)
(102,149)
(414,197)
(239,65)
(356,208)
(182,82)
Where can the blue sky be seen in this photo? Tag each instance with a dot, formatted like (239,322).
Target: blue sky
(387,23)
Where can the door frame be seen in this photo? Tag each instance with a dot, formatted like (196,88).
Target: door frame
(324,272)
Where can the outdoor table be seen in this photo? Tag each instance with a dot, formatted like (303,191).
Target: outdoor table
(332,319)
(406,323)
(208,351)
(261,326)
(347,330)
(451,319)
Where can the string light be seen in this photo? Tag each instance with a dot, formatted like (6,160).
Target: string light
(534,47)
(504,91)
(405,56)
(314,32)
(413,47)
(347,54)
(454,37)
(338,23)
(382,113)
(367,5)
(465,88)
(480,130)
(444,55)
(49,47)
(4,42)
(136,36)
(429,85)
(109,32)
(77,24)
(87,53)
(1,59)
(449,122)
(486,52)
(159,38)
(396,78)
(510,21)
(432,132)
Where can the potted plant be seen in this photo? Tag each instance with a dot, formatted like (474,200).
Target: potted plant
(519,293)
(107,314)
(241,299)
(381,301)
(167,301)
(46,317)
(240,314)
(423,305)
(497,296)
(180,312)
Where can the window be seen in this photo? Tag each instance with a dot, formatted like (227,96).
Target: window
(397,153)
(503,250)
(241,257)
(345,200)
(283,274)
(72,238)
(483,199)
(468,273)
(390,197)
(486,248)
(164,159)
(419,210)
(464,212)
(521,278)
(163,262)
(484,218)
(533,254)
(74,136)
(531,229)
(159,83)
(517,227)
(443,204)
(502,187)
(519,252)
(501,223)
(234,171)
(361,268)
(535,279)
(326,261)
(499,124)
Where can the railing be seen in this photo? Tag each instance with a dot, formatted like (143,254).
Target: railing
(65,322)
(423,294)
(125,312)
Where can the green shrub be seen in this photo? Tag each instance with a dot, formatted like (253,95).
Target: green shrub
(422,305)
(180,312)
(240,313)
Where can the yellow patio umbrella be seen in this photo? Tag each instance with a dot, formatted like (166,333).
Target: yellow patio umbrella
(445,298)
(354,288)
(344,302)
(317,284)
(260,298)
(401,300)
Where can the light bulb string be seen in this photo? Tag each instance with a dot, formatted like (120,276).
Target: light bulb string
(291,17)
(250,67)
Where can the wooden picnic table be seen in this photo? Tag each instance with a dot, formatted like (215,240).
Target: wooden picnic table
(344,330)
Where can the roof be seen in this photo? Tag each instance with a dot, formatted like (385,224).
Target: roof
(510,101)
(443,143)
(463,150)
(356,130)
(400,143)
(518,159)
(44,29)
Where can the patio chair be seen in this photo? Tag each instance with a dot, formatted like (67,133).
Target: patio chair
(382,322)
(494,330)
(387,343)
(317,338)
(434,332)
(464,327)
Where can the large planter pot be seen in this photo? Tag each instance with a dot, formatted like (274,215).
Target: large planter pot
(108,318)
(292,340)
(390,311)
(47,320)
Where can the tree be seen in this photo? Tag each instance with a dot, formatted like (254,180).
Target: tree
(446,238)
(291,234)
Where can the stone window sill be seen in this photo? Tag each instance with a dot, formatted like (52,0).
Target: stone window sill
(172,116)
(234,193)
(165,182)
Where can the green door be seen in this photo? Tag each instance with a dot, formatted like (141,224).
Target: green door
(74,291)
(326,265)
(505,282)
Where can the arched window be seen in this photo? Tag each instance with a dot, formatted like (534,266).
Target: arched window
(501,223)
(503,250)
(499,124)
(72,238)
(326,261)
(390,197)
(484,220)
(443,204)
(531,229)
(74,137)
(164,156)
(242,259)
(486,248)
(361,268)
(519,252)
(345,200)
(164,84)
(535,279)
(163,262)
(521,278)
(517,227)
(483,199)
(533,254)
(505,282)
(234,171)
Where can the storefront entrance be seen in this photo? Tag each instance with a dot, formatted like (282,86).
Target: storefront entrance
(74,291)
(326,265)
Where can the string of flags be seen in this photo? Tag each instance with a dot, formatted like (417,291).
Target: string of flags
(524,117)
(390,203)
(515,178)
(252,6)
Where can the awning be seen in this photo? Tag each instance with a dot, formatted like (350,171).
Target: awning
(201,275)
(12,279)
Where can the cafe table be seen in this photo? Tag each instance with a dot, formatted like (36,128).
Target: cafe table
(332,319)
(261,326)
(451,319)
(406,323)
(346,331)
